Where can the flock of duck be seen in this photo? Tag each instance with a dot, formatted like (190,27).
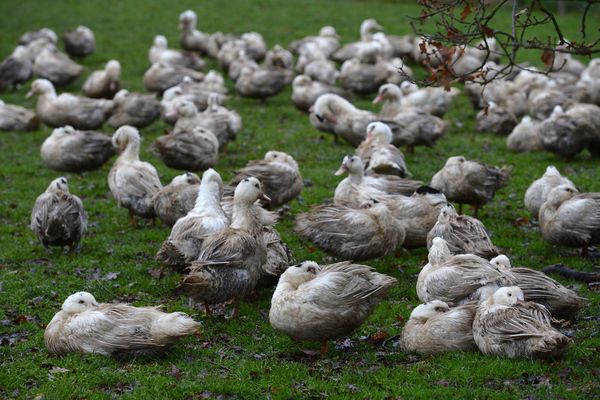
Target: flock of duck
(223,239)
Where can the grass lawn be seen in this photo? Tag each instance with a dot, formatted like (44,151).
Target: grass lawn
(245,358)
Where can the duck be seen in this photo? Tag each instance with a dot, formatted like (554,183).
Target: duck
(346,121)
(458,279)
(132,182)
(322,70)
(104,83)
(176,199)
(328,41)
(390,96)
(364,78)
(540,288)
(265,217)
(262,82)
(352,233)
(307,54)
(279,175)
(160,76)
(565,62)
(507,326)
(320,303)
(402,45)
(17,118)
(507,94)
(56,66)
(254,45)
(238,63)
(495,119)
(187,116)
(415,127)
(543,101)
(224,123)
(434,100)
(213,82)
(469,182)
(70,150)
(567,133)
(15,69)
(85,326)
(33,49)
(80,42)
(229,264)
(44,33)
(218,40)
(367,28)
(537,193)
(434,328)
(58,217)
(205,218)
(569,218)
(183,91)
(193,151)
(229,51)
(67,109)
(463,234)
(590,80)
(279,57)
(306,91)
(525,136)
(357,188)
(377,153)
(160,53)
(190,38)
(135,109)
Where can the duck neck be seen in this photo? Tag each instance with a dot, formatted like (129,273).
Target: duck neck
(208,198)
(242,217)
(356,177)
(132,150)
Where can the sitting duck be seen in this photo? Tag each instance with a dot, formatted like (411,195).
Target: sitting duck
(176,199)
(56,66)
(537,192)
(17,118)
(160,53)
(80,42)
(135,109)
(104,83)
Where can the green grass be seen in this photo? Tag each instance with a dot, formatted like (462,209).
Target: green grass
(246,358)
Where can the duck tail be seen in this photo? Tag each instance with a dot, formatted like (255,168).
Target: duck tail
(170,255)
(551,344)
(173,325)
(56,229)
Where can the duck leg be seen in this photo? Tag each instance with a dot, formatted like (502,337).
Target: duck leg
(324,347)
(236,308)
(475,209)
(132,221)
(207,309)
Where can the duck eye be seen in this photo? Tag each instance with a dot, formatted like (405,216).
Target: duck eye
(510,295)
(256,185)
(319,117)
(81,302)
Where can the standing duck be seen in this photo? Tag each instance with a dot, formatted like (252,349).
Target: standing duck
(352,233)
(378,154)
(135,109)
(176,199)
(104,83)
(320,303)
(205,218)
(279,175)
(15,69)
(160,53)
(132,182)
(458,279)
(367,28)
(190,38)
(463,234)
(85,326)
(16,118)
(570,218)
(80,42)
(68,109)
(194,150)
(68,149)
(58,217)
(469,182)
(434,328)
(229,264)
(537,192)
(540,288)
(505,325)
(56,66)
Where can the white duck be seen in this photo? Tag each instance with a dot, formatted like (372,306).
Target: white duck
(160,53)
(320,303)
(306,91)
(85,326)
(17,118)
(56,66)
(132,182)
(190,38)
(328,41)
(537,192)
(104,83)
(378,154)
(526,136)
(68,109)
(367,28)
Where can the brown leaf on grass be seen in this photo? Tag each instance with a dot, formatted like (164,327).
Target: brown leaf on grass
(379,337)
(520,221)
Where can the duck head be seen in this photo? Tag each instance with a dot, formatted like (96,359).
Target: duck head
(113,69)
(160,42)
(560,194)
(438,251)
(281,157)
(187,19)
(300,273)
(429,310)
(378,132)
(58,185)
(249,190)
(408,87)
(41,86)
(127,137)
(329,32)
(350,164)
(502,262)
(189,178)
(508,296)
(79,302)
(186,109)
(388,91)
(301,81)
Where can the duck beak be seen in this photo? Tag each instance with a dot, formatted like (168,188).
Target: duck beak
(171,115)
(265,198)
(343,169)
(29,94)
(377,99)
